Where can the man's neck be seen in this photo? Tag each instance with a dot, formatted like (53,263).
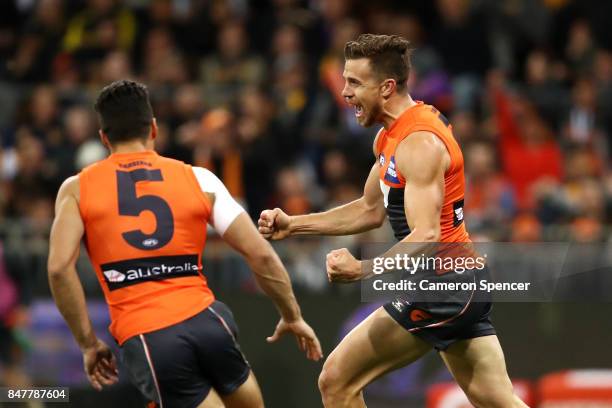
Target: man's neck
(394,107)
(135,146)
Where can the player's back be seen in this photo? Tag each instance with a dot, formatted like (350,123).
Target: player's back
(145,229)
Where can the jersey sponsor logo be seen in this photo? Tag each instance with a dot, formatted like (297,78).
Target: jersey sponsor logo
(381,159)
(134,271)
(457,213)
(114,276)
(391,173)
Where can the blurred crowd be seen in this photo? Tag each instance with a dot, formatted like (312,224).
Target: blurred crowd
(251,90)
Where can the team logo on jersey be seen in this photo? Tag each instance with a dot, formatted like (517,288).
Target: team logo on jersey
(457,213)
(150,242)
(391,173)
(381,159)
(133,271)
(417,315)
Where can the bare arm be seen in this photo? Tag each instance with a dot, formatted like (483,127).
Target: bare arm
(231,222)
(363,214)
(64,243)
(422,159)
(265,264)
(274,280)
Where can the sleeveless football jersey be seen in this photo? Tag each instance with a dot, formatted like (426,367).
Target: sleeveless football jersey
(145,220)
(422,117)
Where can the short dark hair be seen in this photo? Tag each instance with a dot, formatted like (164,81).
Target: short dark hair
(389,55)
(124,111)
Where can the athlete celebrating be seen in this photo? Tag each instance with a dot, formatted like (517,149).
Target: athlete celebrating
(144,220)
(417,180)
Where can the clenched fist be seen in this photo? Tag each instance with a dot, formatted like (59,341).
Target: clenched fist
(274,224)
(342,266)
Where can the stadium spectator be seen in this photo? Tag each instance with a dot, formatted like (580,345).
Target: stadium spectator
(103,26)
(40,41)
(224,74)
(529,151)
(490,198)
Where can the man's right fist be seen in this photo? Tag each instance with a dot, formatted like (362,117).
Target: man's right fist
(273,224)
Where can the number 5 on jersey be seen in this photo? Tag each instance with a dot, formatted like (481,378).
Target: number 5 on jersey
(132,205)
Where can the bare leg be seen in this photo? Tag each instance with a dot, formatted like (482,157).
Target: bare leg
(212,400)
(378,345)
(248,395)
(479,368)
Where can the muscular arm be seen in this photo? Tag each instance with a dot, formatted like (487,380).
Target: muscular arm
(236,228)
(64,243)
(363,214)
(265,264)
(423,159)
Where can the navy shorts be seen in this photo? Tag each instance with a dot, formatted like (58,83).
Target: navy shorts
(447,317)
(178,365)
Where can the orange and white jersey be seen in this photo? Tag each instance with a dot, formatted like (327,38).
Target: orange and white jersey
(422,117)
(145,219)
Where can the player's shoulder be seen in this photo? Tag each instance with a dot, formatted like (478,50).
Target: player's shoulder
(171,160)
(93,167)
(70,187)
(422,140)
(425,113)
(421,146)
(205,176)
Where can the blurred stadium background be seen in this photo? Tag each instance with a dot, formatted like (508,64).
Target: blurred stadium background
(251,90)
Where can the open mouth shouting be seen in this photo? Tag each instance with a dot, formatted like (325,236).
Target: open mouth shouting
(359,111)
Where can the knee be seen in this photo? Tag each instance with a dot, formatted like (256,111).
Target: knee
(328,380)
(333,391)
(501,397)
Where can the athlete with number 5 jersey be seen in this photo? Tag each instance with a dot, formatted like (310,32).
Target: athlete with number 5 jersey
(417,181)
(143,218)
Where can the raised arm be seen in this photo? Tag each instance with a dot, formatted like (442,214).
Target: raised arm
(64,243)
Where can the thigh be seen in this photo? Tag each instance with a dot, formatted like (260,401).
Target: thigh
(212,401)
(164,367)
(376,346)
(248,395)
(214,336)
(479,368)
